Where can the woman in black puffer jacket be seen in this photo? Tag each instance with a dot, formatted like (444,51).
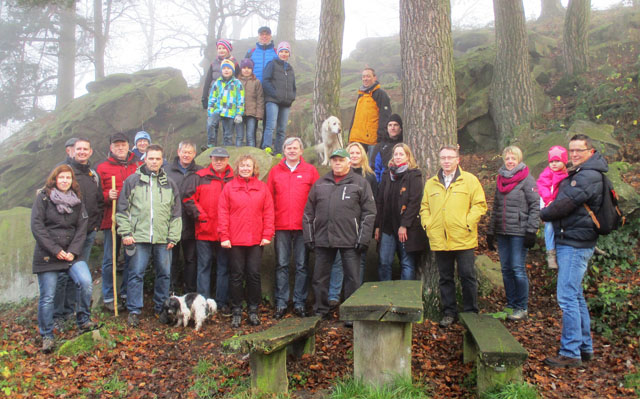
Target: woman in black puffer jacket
(514,220)
(59,226)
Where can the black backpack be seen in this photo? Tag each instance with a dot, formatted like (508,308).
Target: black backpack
(609,217)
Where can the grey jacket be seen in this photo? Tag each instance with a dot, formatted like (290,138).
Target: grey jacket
(518,211)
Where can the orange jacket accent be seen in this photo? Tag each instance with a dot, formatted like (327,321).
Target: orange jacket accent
(371,115)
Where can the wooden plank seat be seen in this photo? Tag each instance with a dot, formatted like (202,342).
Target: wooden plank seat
(268,351)
(382,313)
(498,355)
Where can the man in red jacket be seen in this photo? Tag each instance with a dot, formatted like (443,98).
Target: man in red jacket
(289,182)
(201,193)
(120,163)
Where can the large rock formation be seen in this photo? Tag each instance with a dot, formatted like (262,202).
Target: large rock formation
(16,252)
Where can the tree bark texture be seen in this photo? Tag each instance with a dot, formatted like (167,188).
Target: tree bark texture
(66,55)
(98,40)
(428,83)
(326,89)
(512,94)
(575,42)
(287,21)
(550,9)
(429,96)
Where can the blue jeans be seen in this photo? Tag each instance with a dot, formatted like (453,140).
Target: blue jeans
(514,274)
(227,131)
(107,268)
(389,246)
(576,323)
(212,130)
(337,275)
(138,266)
(47,281)
(205,251)
(64,301)
(276,119)
(247,126)
(549,236)
(288,242)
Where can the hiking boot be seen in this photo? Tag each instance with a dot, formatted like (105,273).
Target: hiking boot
(586,356)
(88,326)
(447,321)
(133,320)
(236,320)
(348,324)
(299,311)
(48,344)
(333,304)
(517,315)
(551,259)
(225,310)
(562,361)
(280,312)
(60,325)
(254,320)
(109,306)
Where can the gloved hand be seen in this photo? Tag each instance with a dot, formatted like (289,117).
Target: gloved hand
(205,103)
(237,120)
(362,248)
(310,246)
(490,242)
(529,240)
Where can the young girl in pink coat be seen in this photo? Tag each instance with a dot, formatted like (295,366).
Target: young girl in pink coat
(548,183)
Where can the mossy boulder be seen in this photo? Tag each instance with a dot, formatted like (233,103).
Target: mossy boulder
(629,196)
(87,342)
(601,135)
(16,252)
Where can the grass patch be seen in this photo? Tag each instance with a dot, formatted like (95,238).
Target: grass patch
(210,379)
(632,381)
(114,386)
(350,388)
(512,391)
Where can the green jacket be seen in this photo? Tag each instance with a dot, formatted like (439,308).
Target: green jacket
(149,208)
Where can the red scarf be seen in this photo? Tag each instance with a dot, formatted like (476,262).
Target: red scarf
(506,184)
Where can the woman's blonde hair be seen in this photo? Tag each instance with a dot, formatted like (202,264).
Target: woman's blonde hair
(247,157)
(411,160)
(364,159)
(512,149)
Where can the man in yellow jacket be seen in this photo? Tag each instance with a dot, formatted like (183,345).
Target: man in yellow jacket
(452,205)
(371,114)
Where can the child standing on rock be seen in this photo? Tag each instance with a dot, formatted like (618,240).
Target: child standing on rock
(226,102)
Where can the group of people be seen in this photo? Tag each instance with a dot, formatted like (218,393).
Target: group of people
(188,218)
(261,87)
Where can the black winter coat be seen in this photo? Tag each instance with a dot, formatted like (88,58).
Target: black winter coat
(54,232)
(398,204)
(517,212)
(91,190)
(339,215)
(175,173)
(572,224)
(279,83)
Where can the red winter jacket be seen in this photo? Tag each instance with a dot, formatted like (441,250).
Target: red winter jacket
(245,213)
(290,191)
(121,170)
(201,194)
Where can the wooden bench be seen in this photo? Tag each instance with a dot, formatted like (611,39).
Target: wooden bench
(382,313)
(268,351)
(498,355)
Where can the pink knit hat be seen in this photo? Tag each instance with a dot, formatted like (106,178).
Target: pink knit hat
(558,153)
(226,43)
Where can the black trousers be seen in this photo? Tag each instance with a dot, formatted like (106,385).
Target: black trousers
(322,275)
(244,263)
(184,279)
(466,273)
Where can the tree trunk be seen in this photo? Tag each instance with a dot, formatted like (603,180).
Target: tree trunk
(326,90)
(287,21)
(429,97)
(575,43)
(66,55)
(98,40)
(550,9)
(512,94)
(210,50)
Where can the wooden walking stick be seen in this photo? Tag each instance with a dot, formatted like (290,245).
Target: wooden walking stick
(113,248)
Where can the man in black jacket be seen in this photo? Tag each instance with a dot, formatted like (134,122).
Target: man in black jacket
(576,238)
(91,191)
(183,166)
(339,216)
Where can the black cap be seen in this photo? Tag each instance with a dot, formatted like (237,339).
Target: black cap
(119,137)
(264,29)
(71,142)
(219,152)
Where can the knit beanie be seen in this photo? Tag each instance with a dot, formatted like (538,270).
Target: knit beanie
(395,118)
(226,43)
(284,46)
(141,135)
(558,153)
(246,63)
(228,64)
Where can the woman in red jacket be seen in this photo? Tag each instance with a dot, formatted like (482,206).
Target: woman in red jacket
(245,225)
